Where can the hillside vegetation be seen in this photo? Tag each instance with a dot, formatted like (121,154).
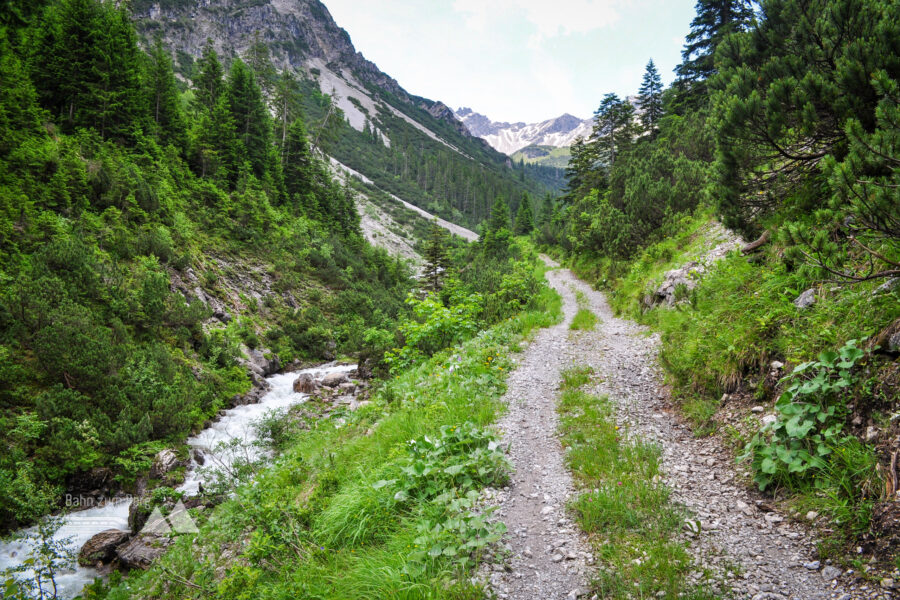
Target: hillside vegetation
(783,124)
(407,145)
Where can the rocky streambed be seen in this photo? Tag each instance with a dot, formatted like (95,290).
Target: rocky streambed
(126,531)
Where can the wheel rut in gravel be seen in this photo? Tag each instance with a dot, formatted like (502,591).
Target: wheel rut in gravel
(549,556)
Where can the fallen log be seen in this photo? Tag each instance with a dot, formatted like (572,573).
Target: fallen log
(753,246)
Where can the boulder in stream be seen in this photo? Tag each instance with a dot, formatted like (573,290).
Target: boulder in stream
(142,550)
(305,384)
(164,462)
(335,379)
(102,547)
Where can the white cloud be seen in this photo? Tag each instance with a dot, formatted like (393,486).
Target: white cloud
(554,79)
(549,19)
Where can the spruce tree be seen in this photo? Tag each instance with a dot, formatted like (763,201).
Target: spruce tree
(298,168)
(499,216)
(437,260)
(715,20)
(614,129)
(215,148)
(547,208)
(260,61)
(85,64)
(19,114)
(208,83)
(286,104)
(650,99)
(251,119)
(165,106)
(524,217)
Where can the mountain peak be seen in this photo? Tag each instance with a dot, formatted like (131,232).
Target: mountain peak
(511,137)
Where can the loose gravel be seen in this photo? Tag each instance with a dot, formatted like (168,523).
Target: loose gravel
(754,552)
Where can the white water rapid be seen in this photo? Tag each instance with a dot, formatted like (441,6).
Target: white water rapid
(80,526)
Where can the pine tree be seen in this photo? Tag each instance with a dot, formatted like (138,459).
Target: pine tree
(437,260)
(208,83)
(524,217)
(785,93)
(650,99)
(865,205)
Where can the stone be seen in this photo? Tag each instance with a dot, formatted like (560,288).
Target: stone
(757,409)
(222,315)
(684,278)
(142,550)
(888,583)
(768,420)
(556,557)
(164,462)
(806,299)
(305,384)
(102,547)
(138,513)
(812,515)
(888,286)
(894,343)
(871,433)
(335,379)
(267,365)
(776,365)
(830,573)
(812,566)
(744,507)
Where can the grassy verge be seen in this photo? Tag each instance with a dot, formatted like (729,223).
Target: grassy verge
(635,530)
(372,504)
(584,319)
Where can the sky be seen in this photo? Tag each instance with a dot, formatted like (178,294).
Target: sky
(518,60)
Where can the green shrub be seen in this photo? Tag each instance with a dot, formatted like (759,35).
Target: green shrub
(797,447)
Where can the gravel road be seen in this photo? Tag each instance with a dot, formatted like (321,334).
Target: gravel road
(549,557)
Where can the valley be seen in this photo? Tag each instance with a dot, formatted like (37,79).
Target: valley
(273,326)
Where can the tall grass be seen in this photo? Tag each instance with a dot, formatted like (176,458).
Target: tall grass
(315,525)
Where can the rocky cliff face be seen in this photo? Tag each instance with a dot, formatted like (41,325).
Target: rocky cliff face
(510,137)
(301,35)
